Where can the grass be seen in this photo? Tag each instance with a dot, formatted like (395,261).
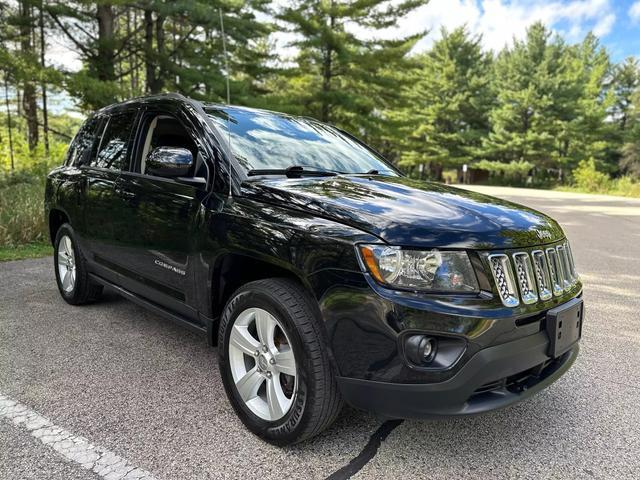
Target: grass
(28,250)
(23,229)
(22,214)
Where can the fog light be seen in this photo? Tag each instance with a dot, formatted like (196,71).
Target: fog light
(420,349)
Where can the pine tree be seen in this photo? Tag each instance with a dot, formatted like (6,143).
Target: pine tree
(630,152)
(534,101)
(448,103)
(588,133)
(340,76)
(162,45)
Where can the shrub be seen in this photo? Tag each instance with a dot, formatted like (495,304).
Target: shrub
(626,187)
(589,179)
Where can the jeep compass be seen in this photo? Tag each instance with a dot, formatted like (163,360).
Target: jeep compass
(321,272)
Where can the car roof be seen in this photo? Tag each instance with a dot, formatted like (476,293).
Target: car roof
(178,98)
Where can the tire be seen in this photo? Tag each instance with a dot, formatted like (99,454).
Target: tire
(312,396)
(70,266)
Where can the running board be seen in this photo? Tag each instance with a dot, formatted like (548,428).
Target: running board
(149,305)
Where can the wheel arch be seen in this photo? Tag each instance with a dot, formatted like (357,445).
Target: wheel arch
(57,217)
(232,270)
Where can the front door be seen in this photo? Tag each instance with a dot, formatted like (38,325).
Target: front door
(157,232)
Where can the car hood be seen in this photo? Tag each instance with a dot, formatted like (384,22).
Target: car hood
(407,212)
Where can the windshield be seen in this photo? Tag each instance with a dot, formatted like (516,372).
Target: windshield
(265,141)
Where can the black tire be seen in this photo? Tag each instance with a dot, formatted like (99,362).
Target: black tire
(84,289)
(316,401)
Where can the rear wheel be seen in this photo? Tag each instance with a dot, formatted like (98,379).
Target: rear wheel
(72,275)
(274,363)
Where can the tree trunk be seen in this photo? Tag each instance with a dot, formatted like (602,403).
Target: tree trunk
(45,113)
(148,50)
(160,48)
(6,99)
(154,59)
(29,102)
(327,74)
(105,63)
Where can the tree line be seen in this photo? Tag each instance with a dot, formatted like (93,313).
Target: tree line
(539,108)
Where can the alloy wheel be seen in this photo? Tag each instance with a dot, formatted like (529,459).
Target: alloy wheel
(66,264)
(262,364)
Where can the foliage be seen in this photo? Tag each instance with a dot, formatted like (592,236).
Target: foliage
(630,153)
(340,76)
(589,179)
(551,101)
(448,102)
(515,170)
(33,162)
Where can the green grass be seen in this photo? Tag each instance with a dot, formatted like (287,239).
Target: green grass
(23,229)
(22,219)
(29,250)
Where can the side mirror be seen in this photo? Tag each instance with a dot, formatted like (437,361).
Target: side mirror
(169,162)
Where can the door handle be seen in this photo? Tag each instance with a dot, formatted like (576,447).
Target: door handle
(127,195)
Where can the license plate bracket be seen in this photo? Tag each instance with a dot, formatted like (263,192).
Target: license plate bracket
(564,326)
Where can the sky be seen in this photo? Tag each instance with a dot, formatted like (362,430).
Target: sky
(616,23)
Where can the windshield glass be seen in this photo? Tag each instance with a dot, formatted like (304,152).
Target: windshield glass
(264,141)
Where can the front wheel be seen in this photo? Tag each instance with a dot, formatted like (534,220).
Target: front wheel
(274,363)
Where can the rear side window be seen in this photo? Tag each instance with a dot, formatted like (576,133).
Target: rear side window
(113,152)
(85,139)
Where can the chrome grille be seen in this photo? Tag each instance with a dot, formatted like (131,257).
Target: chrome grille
(533,276)
(524,273)
(542,274)
(502,274)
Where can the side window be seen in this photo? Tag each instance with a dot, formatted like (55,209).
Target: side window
(84,139)
(115,145)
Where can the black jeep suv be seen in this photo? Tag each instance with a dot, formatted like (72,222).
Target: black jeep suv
(321,272)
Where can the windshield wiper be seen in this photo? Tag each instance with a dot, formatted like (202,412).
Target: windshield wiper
(295,171)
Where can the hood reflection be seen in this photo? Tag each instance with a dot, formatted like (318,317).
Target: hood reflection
(408,212)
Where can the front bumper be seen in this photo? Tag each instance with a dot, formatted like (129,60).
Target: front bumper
(493,378)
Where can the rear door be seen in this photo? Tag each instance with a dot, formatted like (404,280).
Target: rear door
(74,178)
(157,229)
(101,205)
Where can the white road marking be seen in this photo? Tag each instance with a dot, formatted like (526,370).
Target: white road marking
(73,447)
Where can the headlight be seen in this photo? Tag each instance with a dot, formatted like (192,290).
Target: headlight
(419,269)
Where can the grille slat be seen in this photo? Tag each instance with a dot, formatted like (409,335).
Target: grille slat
(528,277)
(572,265)
(502,274)
(524,272)
(557,283)
(564,264)
(542,274)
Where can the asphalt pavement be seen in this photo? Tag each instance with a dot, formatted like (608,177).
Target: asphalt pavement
(116,383)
